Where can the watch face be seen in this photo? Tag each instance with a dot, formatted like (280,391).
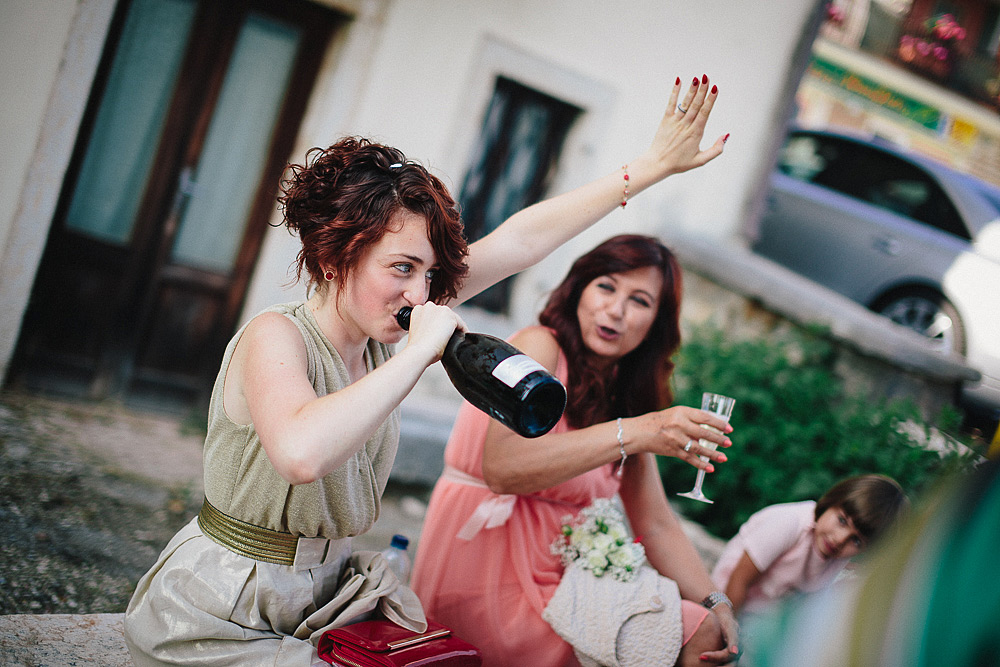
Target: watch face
(714,599)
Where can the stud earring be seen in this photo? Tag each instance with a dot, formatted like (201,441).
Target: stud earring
(328,275)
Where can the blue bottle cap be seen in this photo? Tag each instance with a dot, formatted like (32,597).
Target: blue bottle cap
(400,541)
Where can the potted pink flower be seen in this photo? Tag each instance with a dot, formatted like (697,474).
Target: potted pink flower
(933,52)
(945,29)
(834,14)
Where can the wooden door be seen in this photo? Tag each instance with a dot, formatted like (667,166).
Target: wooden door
(171,187)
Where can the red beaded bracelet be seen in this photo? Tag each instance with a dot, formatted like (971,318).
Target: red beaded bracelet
(625,194)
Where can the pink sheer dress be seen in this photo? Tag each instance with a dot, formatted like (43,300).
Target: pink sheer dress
(484,565)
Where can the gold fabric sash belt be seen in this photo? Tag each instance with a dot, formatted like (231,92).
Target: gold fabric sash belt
(246,539)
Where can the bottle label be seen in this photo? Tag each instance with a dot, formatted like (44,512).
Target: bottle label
(513,369)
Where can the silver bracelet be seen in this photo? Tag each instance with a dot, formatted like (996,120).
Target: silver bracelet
(715,598)
(621,448)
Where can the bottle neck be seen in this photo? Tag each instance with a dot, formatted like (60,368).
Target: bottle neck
(403,319)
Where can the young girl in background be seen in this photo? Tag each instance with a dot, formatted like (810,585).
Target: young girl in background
(803,546)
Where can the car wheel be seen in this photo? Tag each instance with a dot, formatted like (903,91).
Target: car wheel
(929,314)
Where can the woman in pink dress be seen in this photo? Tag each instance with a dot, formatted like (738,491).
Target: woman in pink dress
(484,566)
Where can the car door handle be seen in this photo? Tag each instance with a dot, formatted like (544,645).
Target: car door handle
(887,245)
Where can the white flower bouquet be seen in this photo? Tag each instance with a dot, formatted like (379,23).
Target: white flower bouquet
(599,541)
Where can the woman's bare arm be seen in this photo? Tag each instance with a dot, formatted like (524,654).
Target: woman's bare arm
(512,464)
(530,235)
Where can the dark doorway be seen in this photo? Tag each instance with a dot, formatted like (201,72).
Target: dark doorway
(163,210)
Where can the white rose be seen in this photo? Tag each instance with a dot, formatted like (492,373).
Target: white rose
(596,562)
(603,542)
(621,557)
(582,541)
(617,533)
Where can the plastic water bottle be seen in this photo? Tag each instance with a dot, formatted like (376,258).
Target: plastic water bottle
(398,558)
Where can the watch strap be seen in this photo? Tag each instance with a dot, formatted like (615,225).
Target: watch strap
(715,598)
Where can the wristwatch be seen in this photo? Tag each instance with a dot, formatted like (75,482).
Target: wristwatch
(715,598)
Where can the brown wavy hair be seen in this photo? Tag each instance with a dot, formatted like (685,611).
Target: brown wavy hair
(344,198)
(874,503)
(640,381)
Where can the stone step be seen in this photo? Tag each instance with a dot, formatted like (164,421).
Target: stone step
(83,640)
(36,640)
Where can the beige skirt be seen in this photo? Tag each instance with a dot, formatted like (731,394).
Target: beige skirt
(202,604)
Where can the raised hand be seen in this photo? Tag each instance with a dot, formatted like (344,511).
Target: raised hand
(676,146)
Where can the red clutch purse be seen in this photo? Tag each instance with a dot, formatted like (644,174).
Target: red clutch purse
(385,644)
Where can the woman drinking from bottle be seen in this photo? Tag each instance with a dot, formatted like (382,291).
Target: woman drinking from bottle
(304,420)
(485,564)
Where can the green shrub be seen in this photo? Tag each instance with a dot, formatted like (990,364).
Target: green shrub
(796,430)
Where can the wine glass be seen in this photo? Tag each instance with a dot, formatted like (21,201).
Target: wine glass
(720,406)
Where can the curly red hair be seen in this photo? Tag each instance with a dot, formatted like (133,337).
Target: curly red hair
(641,381)
(346,197)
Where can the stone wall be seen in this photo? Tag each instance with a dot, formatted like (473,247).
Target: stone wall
(749,296)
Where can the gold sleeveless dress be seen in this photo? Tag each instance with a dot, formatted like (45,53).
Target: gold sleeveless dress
(203,604)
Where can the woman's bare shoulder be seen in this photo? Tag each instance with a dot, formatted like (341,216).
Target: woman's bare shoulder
(271,325)
(270,344)
(539,343)
(270,340)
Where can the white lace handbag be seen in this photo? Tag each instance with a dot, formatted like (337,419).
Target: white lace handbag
(612,623)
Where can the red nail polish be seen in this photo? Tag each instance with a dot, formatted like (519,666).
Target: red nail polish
(695,82)
(725,138)
(715,90)
(677,82)
(704,78)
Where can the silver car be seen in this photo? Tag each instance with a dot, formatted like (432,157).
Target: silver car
(909,238)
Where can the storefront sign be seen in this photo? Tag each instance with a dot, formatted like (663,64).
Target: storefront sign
(876,93)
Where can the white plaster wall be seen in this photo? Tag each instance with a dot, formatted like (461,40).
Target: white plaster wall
(27,73)
(49,50)
(429,66)
(417,74)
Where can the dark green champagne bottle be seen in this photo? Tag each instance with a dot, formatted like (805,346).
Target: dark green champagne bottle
(502,381)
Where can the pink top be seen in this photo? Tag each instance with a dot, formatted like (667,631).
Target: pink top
(491,589)
(779,541)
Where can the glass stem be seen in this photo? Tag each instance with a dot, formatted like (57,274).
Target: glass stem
(699,479)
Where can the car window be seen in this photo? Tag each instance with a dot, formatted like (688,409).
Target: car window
(800,158)
(872,175)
